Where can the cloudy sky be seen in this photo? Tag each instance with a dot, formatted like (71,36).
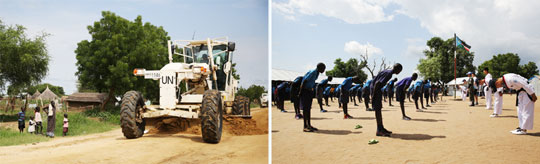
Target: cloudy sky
(243,21)
(315,31)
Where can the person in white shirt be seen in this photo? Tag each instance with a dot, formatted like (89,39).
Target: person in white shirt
(463,90)
(525,100)
(487,90)
(31,125)
(39,121)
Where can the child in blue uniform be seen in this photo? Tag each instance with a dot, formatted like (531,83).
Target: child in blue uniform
(366,94)
(345,86)
(320,88)
(378,82)
(281,93)
(400,93)
(295,88)
(326,94)
(306,95)
(390,91)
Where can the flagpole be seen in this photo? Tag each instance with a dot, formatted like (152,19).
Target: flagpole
(455,77)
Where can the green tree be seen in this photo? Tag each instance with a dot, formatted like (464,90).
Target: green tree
(58,90)
(439,62)
(23,60)
(253,92)
(348,69)
(501,64)
(106,62)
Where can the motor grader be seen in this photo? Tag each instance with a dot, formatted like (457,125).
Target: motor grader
(201,86)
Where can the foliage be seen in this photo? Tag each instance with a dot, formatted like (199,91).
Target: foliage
(439,62)
(106,62)
(501,64)
(253,92)
(348,69)
(23,60)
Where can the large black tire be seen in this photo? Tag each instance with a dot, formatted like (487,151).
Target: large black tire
(131,122)
(239,105)
(212,116)
(247,107)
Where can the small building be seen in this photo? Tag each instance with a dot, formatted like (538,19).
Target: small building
(86,100)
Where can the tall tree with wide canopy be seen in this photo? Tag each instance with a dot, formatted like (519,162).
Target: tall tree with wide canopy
(501,64)
(24,60)
(106,62)
(439,62)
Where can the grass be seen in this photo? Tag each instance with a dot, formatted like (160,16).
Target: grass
(13,137)
(80,123)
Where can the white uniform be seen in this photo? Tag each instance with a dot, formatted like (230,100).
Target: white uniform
(487,91)
(525,108)
(498,104)
(463,92)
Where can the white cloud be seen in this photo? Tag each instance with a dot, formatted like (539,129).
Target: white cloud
(490,27)
(355,48)
(349,11)
(415,47)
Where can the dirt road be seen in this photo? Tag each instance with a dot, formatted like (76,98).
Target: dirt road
(448,132)
(112,147)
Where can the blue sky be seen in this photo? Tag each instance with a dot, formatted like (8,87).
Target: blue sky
(306,32)
(243,21)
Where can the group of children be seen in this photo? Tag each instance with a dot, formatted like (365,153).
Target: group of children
(35,124)
(304,88)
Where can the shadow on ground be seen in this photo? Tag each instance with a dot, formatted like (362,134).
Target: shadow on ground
(337,132)
(415,136)
(434,112)
(426,119)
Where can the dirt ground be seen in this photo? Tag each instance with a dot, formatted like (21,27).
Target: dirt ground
(154,147)
(448,132)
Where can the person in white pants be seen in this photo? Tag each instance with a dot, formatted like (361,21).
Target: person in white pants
(487,90)
(525,100)
(497,105)
(463,90)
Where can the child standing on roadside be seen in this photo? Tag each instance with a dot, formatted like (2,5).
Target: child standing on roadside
(21,120)
(39,121)
(66,124)
(31,125)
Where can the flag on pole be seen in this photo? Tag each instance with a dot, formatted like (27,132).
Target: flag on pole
(461,44)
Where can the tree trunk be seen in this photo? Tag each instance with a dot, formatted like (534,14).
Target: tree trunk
(111,95)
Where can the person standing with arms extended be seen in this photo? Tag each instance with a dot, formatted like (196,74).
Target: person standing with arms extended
(306,95)
(378,82)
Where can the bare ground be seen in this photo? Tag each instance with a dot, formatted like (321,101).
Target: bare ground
(448,132)
(251,146)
